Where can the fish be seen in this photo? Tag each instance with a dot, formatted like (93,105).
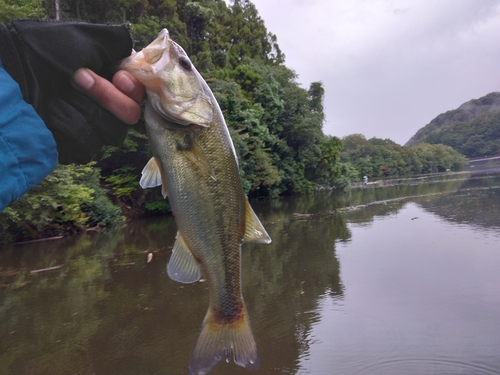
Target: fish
(195,162)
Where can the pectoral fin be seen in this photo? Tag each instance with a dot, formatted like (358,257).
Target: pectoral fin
(182,266)
(152,176)
(194,152)
(254,230)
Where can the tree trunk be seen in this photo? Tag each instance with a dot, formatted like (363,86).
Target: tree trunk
(58,15)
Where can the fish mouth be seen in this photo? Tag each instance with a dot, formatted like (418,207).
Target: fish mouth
(146,62)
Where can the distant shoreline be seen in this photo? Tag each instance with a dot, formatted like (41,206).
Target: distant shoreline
(483,164)
(484,158)
(476,167)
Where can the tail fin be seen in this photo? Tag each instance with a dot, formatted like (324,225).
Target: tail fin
(218,340)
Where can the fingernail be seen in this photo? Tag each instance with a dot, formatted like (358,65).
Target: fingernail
(125,84)
(83,79)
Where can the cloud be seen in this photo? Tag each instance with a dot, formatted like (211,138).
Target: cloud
(389,67)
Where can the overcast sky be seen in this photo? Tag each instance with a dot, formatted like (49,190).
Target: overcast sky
(389,67)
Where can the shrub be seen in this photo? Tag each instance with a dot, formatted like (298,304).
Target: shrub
(69,200)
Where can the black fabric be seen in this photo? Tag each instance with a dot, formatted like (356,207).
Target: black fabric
(42,56)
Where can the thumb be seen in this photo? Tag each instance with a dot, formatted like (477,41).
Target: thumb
(107,95)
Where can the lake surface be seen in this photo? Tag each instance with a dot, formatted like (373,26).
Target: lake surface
(383,280)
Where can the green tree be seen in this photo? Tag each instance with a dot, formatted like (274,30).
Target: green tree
(67,201)
(275,124)
(382,158)
(10,9)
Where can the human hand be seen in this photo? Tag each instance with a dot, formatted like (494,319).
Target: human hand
(122,96)
(43,56)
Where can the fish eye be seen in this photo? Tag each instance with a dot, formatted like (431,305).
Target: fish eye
(185,63)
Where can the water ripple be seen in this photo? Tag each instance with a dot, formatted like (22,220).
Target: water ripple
(438,366)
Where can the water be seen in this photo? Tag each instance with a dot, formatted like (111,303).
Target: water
(386,280)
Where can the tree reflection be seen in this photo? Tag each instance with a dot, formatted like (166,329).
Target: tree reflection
(477,203)
(362,206)
(108,311)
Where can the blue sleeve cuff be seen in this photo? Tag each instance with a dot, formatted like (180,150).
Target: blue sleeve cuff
(27,148)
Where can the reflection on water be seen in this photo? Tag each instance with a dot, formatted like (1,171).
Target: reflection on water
(388,280)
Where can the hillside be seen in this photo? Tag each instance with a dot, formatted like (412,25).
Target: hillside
(473,129)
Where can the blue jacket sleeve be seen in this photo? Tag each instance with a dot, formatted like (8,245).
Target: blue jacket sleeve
(27,148)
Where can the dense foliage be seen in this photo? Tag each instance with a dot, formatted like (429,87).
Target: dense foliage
(276,125)
(473,129)
(380,158)
(67,201)
(10,9)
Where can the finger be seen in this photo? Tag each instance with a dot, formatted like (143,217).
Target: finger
(107,95)
(130,86)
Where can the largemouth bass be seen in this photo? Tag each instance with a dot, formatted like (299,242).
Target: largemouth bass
(195,162)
